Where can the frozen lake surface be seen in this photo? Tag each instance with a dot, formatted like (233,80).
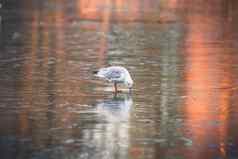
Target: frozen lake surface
(183,59)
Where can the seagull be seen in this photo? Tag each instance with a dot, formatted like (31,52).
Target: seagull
(115,74)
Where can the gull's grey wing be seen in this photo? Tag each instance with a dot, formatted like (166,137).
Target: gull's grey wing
(113,74)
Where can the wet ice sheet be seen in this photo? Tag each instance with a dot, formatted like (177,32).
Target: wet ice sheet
(184,66)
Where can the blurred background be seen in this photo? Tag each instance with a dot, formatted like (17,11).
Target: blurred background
(182,55)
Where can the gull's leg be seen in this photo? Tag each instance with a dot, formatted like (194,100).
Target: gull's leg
(115,87)
(130,90)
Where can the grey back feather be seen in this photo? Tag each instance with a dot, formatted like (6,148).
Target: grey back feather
(113,74)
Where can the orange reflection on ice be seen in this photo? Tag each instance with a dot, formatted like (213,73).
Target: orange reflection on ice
(198,90)
(121,9)
(28,78)
(172,4)
(224,106)
(108,11)
(206,102)
(97,10)
(40,69)
(105,28)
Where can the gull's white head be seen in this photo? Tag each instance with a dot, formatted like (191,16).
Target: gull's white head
(129,84)
(128,81)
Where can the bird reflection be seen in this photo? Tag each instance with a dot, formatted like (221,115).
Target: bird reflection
(109,136)
(115,109)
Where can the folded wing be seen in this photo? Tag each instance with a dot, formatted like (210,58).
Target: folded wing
(113,75)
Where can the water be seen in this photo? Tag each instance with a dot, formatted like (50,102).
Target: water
(183,59)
